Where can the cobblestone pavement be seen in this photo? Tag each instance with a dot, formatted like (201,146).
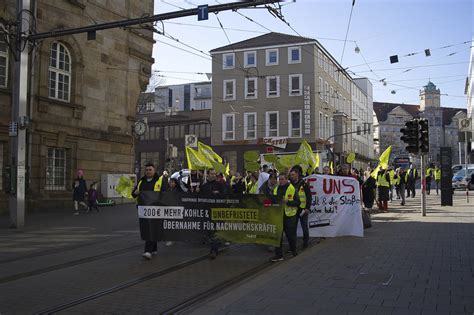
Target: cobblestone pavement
(405,264)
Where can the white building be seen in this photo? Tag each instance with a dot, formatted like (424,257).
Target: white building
(183,97)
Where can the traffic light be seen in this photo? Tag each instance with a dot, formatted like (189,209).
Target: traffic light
(410,136)
(424,136)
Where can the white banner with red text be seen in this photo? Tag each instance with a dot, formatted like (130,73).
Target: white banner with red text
(335,208)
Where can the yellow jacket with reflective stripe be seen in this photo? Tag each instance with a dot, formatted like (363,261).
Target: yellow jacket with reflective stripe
(156,187)
(437,174)
(252,188)
(429,172)
(289,196)
(382,180)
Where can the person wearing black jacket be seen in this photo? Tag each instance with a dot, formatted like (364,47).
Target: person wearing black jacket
(149,182)
(212,187)
(238,186)
(402,184)
(303,195)
(290,222)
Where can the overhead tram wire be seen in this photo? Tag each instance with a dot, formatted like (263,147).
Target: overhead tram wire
(347,31)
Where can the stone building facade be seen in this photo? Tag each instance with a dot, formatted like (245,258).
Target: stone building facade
(443,123)
(83,96)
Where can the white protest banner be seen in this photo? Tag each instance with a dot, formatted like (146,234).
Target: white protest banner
(335,207)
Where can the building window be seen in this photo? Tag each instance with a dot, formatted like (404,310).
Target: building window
(296,82)
(59,72)
(326,127)
(273,86)
(320,59)
(250,88)
(250,126)
(326,64)
(321,88)
(56,169)
(294,125)
(3,63)
(294,55)
(271,57)
(321,126)
(326,92)
(271,124)
(228,61)
(228,124)
(331,95)
(229,90)
(250,59)
(150,107)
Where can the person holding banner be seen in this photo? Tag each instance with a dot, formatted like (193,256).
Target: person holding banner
(303,196)
(287,192)
(212,187)
(149,182)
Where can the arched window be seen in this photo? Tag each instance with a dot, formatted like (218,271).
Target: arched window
(59,74)
(3,63)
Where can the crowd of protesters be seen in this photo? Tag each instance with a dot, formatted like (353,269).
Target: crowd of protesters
(377,187)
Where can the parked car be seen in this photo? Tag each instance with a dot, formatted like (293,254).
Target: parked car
(457,167)
(461,180)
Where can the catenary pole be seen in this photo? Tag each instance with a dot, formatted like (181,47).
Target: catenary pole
(423,185)
(20,83)
(20,94)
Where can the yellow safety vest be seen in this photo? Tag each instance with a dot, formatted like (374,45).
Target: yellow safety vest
(392,177)
(289,196)
(429,172)
(437,174)
(252,188)
(382,181)
(302,196)
(156,187)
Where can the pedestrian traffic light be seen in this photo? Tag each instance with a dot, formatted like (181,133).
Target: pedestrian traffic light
(410,135)
(424,136)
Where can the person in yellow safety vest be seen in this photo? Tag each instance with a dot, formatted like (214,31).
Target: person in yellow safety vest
(429,177)
(252,185)
(411,177)
(396,182)
(437,176)
(304,196)
(383,189)
(287,192)
(391,173)
(149,182)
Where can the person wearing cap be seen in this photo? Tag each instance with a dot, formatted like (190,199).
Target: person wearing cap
(303,195)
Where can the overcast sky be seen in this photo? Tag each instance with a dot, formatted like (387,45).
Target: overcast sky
(380,28)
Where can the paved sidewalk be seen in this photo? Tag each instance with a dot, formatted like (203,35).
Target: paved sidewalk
(405,264)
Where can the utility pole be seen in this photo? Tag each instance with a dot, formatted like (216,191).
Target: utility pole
(19,118)
(20,84)
(423,185)
(465,165)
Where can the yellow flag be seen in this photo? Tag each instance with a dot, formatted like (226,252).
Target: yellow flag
(331,167)
(196,161)
(317,160)
(124,187)
(227,169)
(305,155)
(208,152)
(383,161)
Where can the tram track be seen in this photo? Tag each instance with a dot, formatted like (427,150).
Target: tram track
(68,264)
(183,305)
(131,283)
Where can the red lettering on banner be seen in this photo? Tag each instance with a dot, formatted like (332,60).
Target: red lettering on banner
(337,186)
(327,190)
(347,183)
(311,184)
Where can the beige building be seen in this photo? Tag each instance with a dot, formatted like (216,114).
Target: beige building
(272,91)
(83,96)
(443,124)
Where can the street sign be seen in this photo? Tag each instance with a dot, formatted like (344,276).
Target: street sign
(465,125)
(191,141)
(203,12)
